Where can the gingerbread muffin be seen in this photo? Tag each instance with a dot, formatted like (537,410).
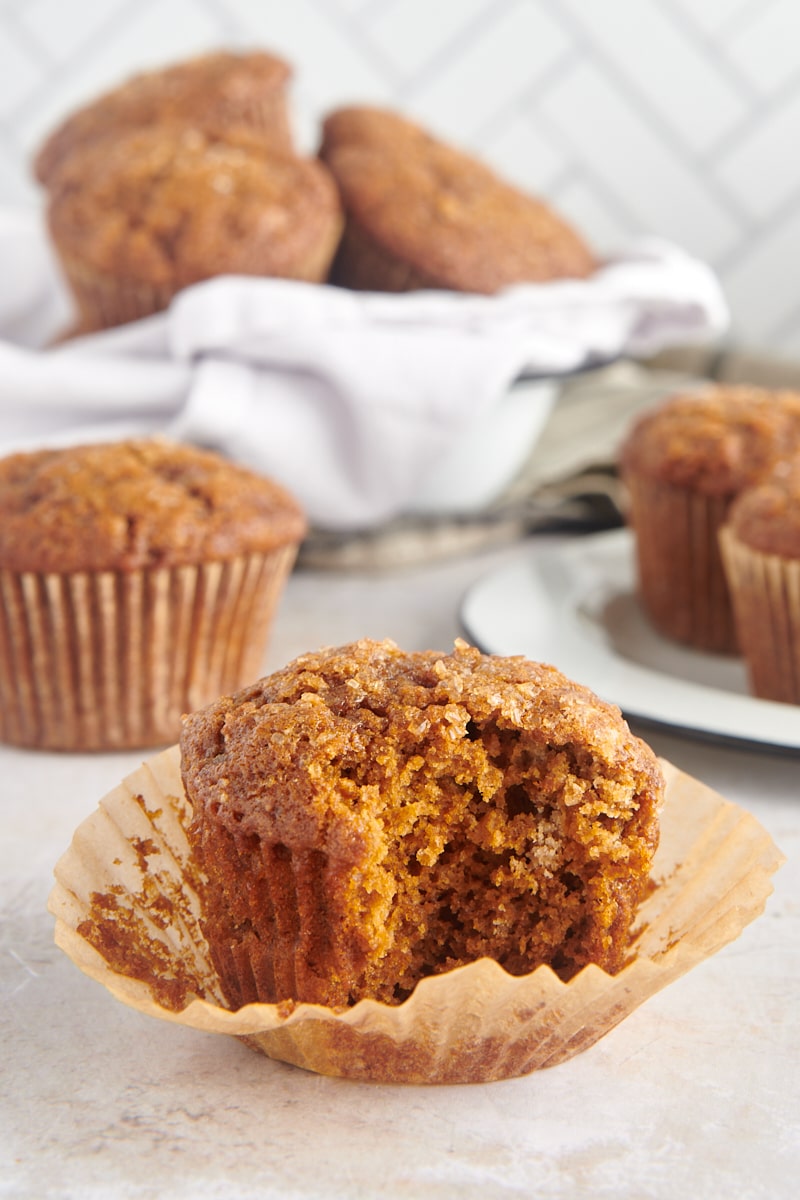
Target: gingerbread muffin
(422,214)
(138,581)
(367,817)
(215,93)
(684,462)
(760,545)
(136,221)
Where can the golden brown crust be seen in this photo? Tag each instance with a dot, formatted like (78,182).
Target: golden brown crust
(214,93)
(129,505)
(714,441)
(367,817)
(766,517)
(171,206)
(443,215)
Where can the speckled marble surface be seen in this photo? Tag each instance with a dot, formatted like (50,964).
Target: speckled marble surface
(695,1095)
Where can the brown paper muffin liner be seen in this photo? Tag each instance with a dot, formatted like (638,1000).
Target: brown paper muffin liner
(106,660)
(127,913)
(765,593)
(681,577)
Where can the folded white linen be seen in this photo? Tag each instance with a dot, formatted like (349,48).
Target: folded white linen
(350,399)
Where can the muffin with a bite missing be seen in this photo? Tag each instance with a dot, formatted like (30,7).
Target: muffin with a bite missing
(367,817)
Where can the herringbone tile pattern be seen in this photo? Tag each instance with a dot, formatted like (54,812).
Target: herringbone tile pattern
(678,117)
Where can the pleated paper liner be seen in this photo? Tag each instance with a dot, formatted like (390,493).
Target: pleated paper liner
(765,592)
(127,913)
(681,578)
(105,660)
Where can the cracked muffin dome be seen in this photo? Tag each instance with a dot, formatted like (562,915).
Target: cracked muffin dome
(218,93)
(136,220)
(423,214)
(367,817)
(124,506)
(138,581)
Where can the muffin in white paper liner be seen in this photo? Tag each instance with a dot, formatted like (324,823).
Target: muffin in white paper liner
(127,913)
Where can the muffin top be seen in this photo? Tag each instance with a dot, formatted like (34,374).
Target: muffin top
(171,205)
(136,504)
(213,92)
(441,211)
(714,441)
(299,757)
(766,517)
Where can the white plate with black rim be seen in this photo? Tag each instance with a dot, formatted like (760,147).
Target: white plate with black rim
(574,605)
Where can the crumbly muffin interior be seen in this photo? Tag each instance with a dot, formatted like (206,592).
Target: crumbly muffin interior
(373,818)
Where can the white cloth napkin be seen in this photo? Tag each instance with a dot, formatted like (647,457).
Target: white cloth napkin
(350,399)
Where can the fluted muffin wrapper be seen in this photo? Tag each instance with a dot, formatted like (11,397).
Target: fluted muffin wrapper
(105,660)
(128,914)
(765,594)
(682,581)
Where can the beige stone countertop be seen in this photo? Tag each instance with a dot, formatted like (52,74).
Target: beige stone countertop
(697,1094)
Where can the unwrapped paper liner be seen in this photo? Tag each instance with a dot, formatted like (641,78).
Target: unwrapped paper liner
(126,883)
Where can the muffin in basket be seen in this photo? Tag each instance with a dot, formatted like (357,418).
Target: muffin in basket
(422,214)
(138,580)
(683,464)
(218,93)
(760,545)
(136,220)
(366,818)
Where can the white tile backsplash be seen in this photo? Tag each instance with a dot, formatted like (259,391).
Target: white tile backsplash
(582,202)
(762,283)
(762,170)
(660,191)
(716,16)
(411,33)
(525,155)
(63,29)
(675,117)
(501,60)
(145,35)
(765,47)
(664,65)
(20,73)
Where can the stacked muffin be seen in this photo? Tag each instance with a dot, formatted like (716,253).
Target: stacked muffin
(180,175)
(711,483)
(190,172)
(140,218)
(215,93)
